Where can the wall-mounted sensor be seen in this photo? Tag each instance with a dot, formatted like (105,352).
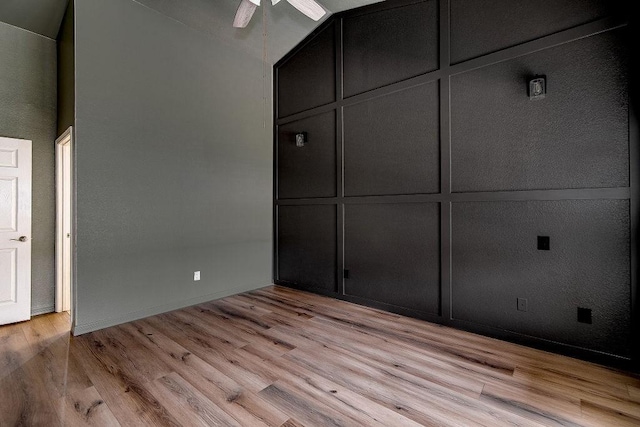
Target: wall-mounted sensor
(301,139)
(537,88)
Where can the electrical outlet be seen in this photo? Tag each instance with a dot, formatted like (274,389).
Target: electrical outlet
(584,315)
(544,243)
(522,304)
(196,276)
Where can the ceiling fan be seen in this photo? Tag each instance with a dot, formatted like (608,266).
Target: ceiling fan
(247,7)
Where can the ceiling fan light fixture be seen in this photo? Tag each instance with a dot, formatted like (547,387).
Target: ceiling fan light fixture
(247,8)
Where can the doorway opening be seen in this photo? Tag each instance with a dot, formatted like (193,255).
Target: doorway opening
(64,223)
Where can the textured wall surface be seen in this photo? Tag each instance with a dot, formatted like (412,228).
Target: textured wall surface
(477,29)
(174,165)
(28,111)
(496,261)
(393,144)
(66,72)
(383,48)
(308,171)
(399,263)
(311,76)
(577,137)
(308,253)
(447,172)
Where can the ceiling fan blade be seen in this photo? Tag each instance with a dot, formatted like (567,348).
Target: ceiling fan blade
(309,7)
(244,14)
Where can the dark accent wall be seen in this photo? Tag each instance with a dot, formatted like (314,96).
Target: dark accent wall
(66,71)
(28,111)
(432,185)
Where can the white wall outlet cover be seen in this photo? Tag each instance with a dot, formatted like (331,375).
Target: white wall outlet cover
(196,276)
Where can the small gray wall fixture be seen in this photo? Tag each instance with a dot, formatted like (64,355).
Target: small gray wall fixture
(28,111)
(468,162)
(173,165)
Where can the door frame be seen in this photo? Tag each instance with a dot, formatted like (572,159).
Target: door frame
(66,139)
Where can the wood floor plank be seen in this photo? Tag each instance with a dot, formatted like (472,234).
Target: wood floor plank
(281,357)
(612,396)
(86,408)
(292,423)
(416,363)
(548,408)
(253,308)
(247,333)
(571,383)
(24,399)
(224,331)
(61,321)
(523,356)
(417,400)
(342,397)
(598,416)
(233,398)
(15,349)
(187,404)
(116,346)
(309,411)
(124,393)
(58,372)
(219,356)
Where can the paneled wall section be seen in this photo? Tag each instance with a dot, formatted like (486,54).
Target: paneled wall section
(431,184)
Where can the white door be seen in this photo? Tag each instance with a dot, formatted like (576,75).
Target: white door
(64,218)
(15,230)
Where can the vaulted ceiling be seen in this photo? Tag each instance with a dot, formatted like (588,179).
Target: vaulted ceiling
(38,16)
(285,26)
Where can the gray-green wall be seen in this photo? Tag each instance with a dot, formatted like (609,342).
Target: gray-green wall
(66,71)
(28,111)
(174,165)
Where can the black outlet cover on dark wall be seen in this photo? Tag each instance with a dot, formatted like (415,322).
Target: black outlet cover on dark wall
(544,243)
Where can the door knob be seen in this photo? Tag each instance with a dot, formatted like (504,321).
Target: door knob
(21,239)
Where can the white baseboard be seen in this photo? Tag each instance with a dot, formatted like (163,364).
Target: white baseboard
(152,311)
(42,310)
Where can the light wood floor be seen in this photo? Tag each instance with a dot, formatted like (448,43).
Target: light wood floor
(280,357)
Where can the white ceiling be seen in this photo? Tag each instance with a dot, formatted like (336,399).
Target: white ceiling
(39,16)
